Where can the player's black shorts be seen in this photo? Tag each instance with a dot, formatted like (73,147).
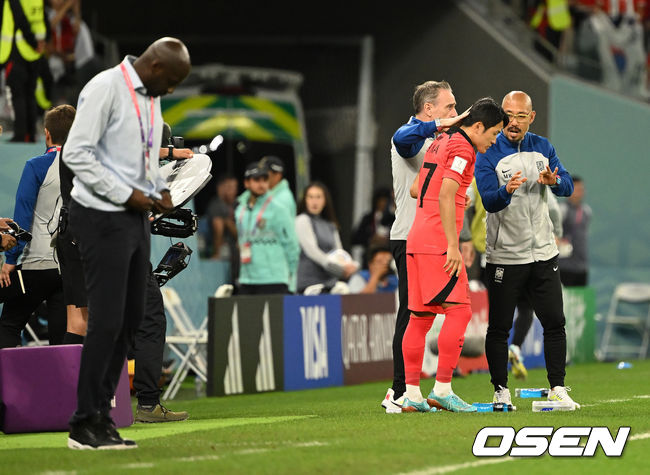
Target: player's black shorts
(72,273)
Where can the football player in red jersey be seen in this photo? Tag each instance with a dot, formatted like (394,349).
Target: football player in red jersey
(437,278)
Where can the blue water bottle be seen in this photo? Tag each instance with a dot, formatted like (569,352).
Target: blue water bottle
(494,407)
(531,392)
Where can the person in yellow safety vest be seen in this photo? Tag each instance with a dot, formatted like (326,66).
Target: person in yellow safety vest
(23,72)
(551,19)
(12,17)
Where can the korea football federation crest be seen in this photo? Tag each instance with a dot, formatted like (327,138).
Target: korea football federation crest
(540,166)
(498,274)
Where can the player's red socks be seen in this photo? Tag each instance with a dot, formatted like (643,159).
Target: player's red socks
(413,347)
(450,340)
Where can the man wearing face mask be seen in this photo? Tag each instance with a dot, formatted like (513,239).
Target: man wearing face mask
(113,151)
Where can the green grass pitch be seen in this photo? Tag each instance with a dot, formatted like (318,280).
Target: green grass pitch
(344,430)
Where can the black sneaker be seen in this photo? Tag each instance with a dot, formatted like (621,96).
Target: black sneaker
(112,432)
(94,434)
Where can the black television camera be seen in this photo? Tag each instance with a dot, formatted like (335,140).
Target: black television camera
(174,261)
(180,223)
(17,232)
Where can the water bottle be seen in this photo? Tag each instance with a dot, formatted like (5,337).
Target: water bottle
(531,392)
(494,407)
(199,387)
(547,406)
(624,365)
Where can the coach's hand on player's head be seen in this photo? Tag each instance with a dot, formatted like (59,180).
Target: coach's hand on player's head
(515,182)
(451,121)
(548,177)
(163,205)
(454,262)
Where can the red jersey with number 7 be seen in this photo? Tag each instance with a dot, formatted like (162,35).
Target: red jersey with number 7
(451,155)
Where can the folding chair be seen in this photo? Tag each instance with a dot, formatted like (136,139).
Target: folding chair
(629,307)
(36,341)
(188,342)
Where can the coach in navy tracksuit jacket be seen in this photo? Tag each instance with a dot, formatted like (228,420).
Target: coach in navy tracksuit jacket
(514,178)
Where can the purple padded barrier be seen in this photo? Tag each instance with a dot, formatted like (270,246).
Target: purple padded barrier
(38,389)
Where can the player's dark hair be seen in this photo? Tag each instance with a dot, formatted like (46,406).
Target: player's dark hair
(58,121)
(486,111)
(427,92)
(576,179)
(328,212)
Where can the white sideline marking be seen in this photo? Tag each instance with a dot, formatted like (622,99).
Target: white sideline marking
(645,435)
(139,465)
(609,401)
(460,466)
(204,458)
(197,458)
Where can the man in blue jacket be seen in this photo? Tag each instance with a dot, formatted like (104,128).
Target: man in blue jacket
(434,106)
(33,266)
(514,177)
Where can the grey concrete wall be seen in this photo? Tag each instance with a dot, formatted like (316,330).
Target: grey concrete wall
(447,46)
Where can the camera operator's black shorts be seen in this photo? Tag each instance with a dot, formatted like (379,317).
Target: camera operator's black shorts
(72,273)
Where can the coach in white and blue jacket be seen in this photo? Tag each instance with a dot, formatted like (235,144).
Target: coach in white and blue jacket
(514,177)
(30,274)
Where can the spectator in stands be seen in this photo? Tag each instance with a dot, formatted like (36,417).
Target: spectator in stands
(268,246)
(278,185)
(552,19)
(318,236)
(221,215)
(23,73)
(378,277)
(37,209)
(574,256)
(374,227)
(64,18)
(613,35)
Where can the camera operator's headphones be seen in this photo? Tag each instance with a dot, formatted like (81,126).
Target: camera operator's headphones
(180,223)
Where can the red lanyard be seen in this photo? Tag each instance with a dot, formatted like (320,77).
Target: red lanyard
(148,144)
(259,215)
(52,149)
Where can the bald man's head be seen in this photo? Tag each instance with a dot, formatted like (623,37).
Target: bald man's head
(163,66)
(518,96)
(519,107)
